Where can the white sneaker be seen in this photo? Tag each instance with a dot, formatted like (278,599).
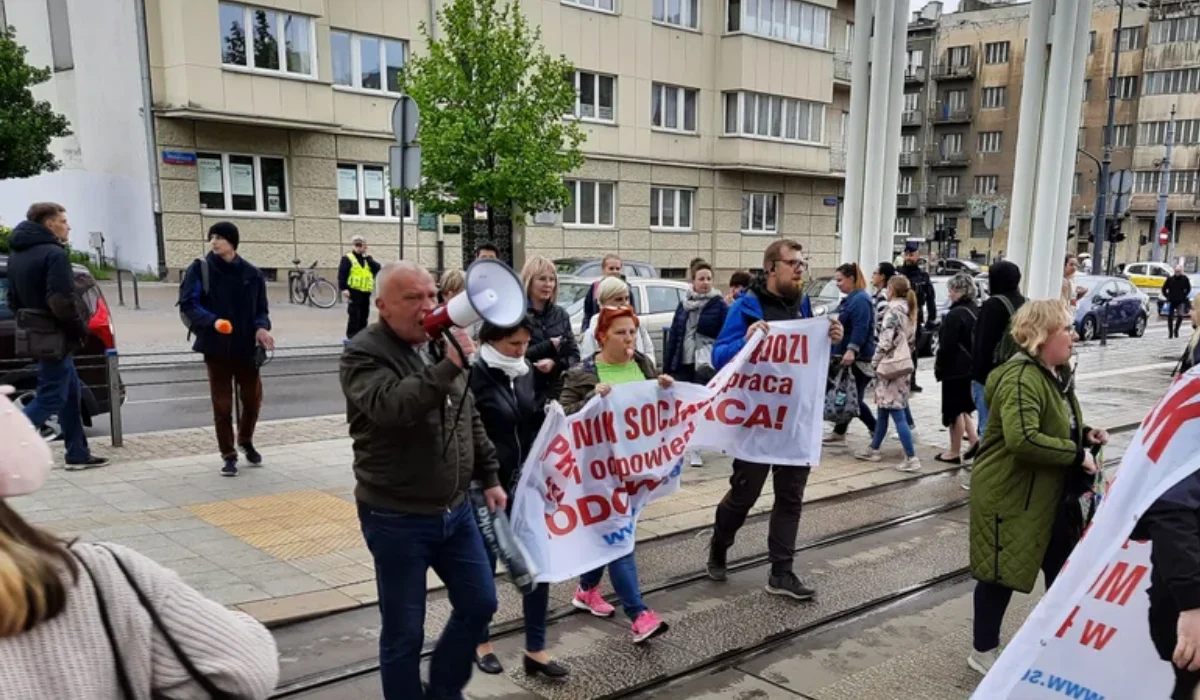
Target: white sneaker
(868,455)
(910,464)
(982,661)
(697,460)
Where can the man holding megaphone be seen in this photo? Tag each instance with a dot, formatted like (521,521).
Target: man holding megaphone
(418,444)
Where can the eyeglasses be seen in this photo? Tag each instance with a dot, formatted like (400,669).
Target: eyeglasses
(795,264)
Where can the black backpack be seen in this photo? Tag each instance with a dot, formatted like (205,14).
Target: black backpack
(1007,347)
(204,287)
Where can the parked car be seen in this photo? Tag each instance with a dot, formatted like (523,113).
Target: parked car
(1164,306)
(1148,276)
(90,362)
(590,267)
(953,266)
(1112,302)
(823,294)
(654,299)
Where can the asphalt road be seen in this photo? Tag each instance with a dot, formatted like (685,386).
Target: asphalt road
(176,396)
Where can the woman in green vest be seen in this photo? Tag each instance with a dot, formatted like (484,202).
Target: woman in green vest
(1032,469)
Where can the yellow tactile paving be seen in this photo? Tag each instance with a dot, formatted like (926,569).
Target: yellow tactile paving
(291,525)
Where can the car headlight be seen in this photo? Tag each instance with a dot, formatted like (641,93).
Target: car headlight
(820,311)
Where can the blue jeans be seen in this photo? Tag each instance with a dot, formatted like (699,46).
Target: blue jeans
(405,546)
(59,393)
(881,427)
(908,417)
(981,407)
(624,576)
(534,606)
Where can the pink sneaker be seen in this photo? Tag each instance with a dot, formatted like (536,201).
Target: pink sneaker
(593,602)
(647,625)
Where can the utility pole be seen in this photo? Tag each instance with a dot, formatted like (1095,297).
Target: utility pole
(1099,224)
(1164,184)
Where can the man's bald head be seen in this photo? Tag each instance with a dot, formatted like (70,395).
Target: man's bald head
(406,294)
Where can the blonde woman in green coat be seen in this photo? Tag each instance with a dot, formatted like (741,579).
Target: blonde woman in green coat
(1032,468)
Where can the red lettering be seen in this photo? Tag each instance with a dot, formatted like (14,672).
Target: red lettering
(723,411)
(620,502)
(560,530)
(678,447)
(1119,586)
(1066,625)
(1096,635)
(760,416)
(799,353)
(597,470)
(593,509)
(631,414)
(779,349)
(1167,417)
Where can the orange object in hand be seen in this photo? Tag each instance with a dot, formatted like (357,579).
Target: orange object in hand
(223,326)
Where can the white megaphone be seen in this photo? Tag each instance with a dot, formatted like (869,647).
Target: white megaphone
(492,292)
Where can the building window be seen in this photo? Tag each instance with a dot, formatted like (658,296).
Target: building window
(592,203)
(760,213)
(364,190)
(60,35)
(908,143)
(282,42)
(916,59)
(951,144)
(910,101)
(955,99)
(1123,136)
(1172,82)
(673,108)
(994,97)
(1187,131)
(995,52)
(959,56)
(602,5)
(1130,38)
(1181,182)
(905,184)
(1081,140)
(1170,31)
(241,183)
(948,184)
(1092,41)
(787,20)
(769,116)
(987,184)
(1076,183)
(595,95)
(1087,89)
(989,142)
(671,209)
(680,13)
(903,224)
(1127,86)
(367,62)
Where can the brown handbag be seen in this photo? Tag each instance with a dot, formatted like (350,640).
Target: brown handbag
(39,336)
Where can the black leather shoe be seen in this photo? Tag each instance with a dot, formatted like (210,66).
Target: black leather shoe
(489,664)
(716,568)
(550,669)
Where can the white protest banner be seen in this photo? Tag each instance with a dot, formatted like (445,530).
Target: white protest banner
(589,475)
(1089,635)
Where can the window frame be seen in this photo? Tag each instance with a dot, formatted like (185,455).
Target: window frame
(996,52)
(677,193)
(1000,90)
(986,137)
(685,9)
(596,76)
(659,91)
(389,209)
(356,73)
(993,180)
(594,6)
(282,71)
(573,184)
(259,210)
(748,214)
(788,107)
(753,25)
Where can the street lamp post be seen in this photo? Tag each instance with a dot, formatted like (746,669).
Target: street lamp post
(1099,222)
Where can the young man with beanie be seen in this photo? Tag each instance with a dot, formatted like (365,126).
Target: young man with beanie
(227,307)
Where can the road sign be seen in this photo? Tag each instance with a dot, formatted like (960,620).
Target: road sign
(1164,235)
(993,216)
(1121,181)
(405,120)
(1120,204)
(405,165)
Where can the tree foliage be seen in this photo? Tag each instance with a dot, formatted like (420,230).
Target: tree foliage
(492,103)
(26,125)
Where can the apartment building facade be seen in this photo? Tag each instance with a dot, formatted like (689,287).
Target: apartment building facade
(711,127)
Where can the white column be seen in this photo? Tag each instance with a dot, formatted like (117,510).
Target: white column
(1039,283)
(873,178)
(856,131)
(1033,91)
(891,151)
(1079,47)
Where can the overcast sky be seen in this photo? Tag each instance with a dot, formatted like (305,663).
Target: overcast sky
(949,5)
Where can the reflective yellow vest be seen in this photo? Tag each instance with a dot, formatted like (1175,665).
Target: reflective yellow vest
(361,279)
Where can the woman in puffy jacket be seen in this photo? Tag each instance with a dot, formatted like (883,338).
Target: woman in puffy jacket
(552,349)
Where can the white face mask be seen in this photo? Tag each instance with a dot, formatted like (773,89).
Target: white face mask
(512,366)
(25,458)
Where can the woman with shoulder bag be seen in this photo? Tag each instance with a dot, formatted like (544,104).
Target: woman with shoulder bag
(101,622)
(694,329)
(952,367)
(893,367)
(857,349)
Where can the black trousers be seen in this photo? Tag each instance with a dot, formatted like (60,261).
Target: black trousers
(991,599)
(1179,312)
(1164,617)
(745,486)
(861,382)
(358,311)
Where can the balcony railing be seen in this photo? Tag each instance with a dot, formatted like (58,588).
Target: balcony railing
(841,67)
(914,74)
(911,117)
(911,159)
(938,156)
(937,199)
(947,113)
(908,200)
(945,70)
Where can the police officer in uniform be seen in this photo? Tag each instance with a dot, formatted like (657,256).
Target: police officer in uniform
(918,279)
(356,279)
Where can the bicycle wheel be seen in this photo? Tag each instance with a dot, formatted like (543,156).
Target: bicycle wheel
(298,290)
(322,294)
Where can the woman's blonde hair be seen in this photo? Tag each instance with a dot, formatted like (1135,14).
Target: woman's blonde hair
(32,589)
(453,282)
(1036,321)
(901,289)
(538,265)
(610,288)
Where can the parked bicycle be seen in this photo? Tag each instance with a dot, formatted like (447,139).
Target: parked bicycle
(308,287)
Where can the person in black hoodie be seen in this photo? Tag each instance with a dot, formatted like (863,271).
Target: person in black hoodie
(1172,524)
(502,383)
(927,313)
(553,349)
(41,292)
(231,322)
(1004,288)
(1177,290)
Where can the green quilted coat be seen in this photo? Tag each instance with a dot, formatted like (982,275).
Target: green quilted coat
(1021,471)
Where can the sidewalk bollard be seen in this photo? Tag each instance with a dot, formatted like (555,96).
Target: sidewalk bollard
(111,363)
(1104,325)
(137,301)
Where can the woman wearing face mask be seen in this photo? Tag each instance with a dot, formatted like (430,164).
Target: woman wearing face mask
(694,330)
(552,349)
(857,347)
(891,395)
(502,383)
(617,362)
(72,624)
(613,291)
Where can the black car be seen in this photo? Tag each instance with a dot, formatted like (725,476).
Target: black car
(90,363)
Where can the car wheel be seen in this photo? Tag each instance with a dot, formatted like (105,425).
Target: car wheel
(1139,327)
(1088,329)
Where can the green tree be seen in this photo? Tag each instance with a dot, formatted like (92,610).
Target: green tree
(26,124)
(492,103)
